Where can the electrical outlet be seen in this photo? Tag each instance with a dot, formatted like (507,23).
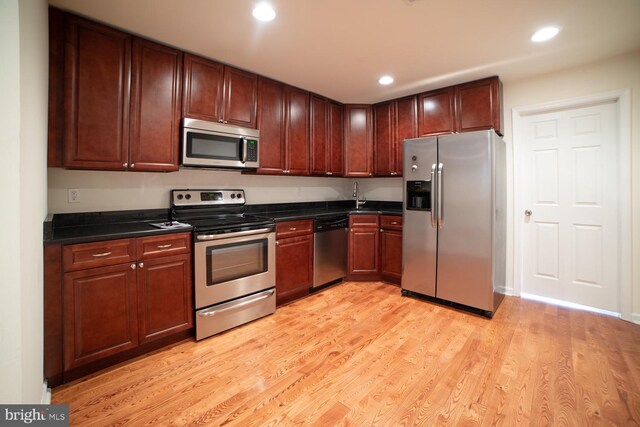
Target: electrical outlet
(73,195)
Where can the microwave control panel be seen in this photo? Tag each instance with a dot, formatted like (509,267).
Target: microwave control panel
(252,150)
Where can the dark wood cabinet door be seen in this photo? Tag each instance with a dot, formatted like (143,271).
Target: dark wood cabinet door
(436,112)
(363,251)
(155,107)
(294,267)
(336,148)
(479,106)
(384,140)
(391,255)
(406,127)
(297,130)
(240,97)
(271,125)
(358,140)
(100,313)
(203,88)
(96,99)
(319,135)
(164,297)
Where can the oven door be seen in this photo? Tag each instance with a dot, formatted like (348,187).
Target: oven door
(233,265)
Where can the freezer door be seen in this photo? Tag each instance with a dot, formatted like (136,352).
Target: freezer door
(465,252)
(419,235)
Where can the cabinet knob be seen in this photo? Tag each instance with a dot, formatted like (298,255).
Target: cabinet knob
(292,229)
(225,121)
(219,120)
(133,266)
(124,165)
(133,165)
(329,173)
(141,264)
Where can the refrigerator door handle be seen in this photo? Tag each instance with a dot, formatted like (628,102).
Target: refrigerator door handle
(439,195)
(433,195)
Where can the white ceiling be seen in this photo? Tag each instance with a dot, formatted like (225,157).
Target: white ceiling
(339,48)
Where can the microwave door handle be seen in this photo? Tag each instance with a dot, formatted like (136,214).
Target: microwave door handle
(244,149)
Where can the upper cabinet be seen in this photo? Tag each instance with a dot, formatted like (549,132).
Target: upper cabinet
(219,93)
(470,106)
(121,100)
(358,140)
(479,105)
(326,136)
(154,133)
(284,129)
(394,122)
(97,76)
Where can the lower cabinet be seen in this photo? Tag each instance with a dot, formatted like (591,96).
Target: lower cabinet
(375,247)
(100,313)
(364,243)
(294,260)
(391,248)
(164,297)
(117,296)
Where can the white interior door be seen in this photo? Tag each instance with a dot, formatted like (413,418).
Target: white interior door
(570,227)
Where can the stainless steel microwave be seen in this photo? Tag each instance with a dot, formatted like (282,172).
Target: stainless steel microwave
(216,145)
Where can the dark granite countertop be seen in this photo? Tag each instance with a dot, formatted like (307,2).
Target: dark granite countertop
(97,226)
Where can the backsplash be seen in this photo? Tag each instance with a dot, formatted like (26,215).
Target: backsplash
(113,191)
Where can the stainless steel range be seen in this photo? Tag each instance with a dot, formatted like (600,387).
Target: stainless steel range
(234,259)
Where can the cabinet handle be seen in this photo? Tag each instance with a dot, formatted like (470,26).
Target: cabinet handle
(141,264)
(133,266)
(124,165)
(225,121)
(165,246)
(133,165)
(292,229)
(278,242)
(102,254)
(329,173)
(394,223)
(220,121)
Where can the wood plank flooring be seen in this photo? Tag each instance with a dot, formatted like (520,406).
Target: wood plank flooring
(360,354)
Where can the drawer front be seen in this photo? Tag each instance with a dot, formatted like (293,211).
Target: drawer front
(98,254)
(165,245)
(359,221)
(391,222)
(294,228)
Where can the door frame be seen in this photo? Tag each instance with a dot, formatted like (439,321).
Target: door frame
(622,98)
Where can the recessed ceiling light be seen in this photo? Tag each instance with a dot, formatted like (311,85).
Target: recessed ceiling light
(544,34)
(385,80)
(264,12)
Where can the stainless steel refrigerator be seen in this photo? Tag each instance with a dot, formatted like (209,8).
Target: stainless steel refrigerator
(453,243)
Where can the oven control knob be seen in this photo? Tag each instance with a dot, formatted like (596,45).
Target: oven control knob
(239,195)
(180,196)
(188,196)
(233,196)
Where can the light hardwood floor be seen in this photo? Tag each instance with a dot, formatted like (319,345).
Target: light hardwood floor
(360,354)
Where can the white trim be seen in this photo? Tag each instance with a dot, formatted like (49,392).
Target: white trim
(566,304)
(635,318)
(622,98)
(46,394)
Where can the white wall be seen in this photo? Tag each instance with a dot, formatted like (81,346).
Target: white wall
(23,120)
(612,74)
(107,191)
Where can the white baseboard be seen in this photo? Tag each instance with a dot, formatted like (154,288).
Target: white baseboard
(507,291)
(635,318)
(46,394)
(569,305)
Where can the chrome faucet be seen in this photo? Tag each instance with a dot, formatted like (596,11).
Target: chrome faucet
(356,194)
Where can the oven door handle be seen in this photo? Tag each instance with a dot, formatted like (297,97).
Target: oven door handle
(230,235)
(214,311)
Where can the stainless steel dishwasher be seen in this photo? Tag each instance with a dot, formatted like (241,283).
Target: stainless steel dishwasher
(329,249)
